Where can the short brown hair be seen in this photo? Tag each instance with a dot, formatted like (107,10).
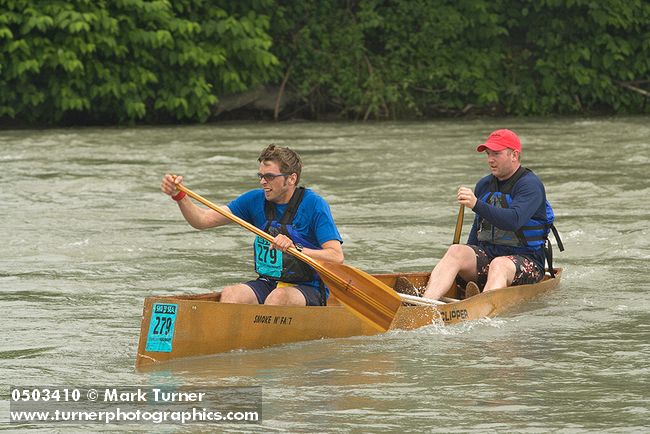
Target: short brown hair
(288,160)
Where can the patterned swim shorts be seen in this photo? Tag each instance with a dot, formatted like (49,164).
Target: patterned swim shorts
(527,270)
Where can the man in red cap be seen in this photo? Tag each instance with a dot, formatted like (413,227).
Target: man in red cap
(506,244)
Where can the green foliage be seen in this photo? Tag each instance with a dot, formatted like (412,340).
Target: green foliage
(576,61)
(374,58)
(125,61)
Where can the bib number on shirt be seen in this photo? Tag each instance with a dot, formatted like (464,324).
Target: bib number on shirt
(268,261)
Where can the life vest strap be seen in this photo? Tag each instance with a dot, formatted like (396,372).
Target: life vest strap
(557,238)
(505,189)
(290,212)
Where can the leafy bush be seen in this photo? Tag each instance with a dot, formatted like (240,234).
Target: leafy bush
(371,58)
(125,61)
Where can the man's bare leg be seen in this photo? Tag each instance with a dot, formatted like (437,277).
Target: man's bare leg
(501,273)
(239,293)
(286,296)
(459,259)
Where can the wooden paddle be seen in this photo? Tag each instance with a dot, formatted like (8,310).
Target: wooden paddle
(456,240)
(459,224)
(365,296)
(413,299)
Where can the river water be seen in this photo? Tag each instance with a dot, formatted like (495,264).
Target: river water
(87,235)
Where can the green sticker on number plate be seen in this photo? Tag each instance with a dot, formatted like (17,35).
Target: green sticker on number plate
(161,328)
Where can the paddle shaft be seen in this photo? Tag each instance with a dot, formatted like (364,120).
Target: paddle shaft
(420,300)
(268,237)
(459,224)
(321,269)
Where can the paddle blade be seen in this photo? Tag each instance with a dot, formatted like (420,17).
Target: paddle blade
(367,297)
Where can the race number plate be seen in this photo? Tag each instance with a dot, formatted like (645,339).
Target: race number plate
(161,328)
(268,261)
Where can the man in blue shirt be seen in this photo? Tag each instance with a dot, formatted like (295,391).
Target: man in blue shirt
(295,216)
(506,244)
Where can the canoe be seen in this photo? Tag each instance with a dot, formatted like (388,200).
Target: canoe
(179,326)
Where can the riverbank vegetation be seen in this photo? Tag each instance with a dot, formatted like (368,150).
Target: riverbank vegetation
(136,61)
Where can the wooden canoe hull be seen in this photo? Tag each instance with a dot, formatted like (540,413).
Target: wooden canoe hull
(198,325)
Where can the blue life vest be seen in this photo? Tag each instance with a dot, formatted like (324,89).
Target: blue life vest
(273,263)
(532,236)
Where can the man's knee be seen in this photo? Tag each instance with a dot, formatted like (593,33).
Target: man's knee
(286,295)
(460,252)
(277,297)
(503,265)
(237,294)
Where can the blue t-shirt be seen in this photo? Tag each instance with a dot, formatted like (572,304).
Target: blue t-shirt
(313,219)
(528,201)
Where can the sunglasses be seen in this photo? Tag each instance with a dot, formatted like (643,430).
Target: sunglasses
(268,177)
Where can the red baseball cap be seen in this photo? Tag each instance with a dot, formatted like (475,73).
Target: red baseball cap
(500,140)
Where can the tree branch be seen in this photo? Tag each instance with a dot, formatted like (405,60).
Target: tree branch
(276,110)
(627,85)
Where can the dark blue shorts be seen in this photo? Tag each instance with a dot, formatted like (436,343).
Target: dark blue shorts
(262,287)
